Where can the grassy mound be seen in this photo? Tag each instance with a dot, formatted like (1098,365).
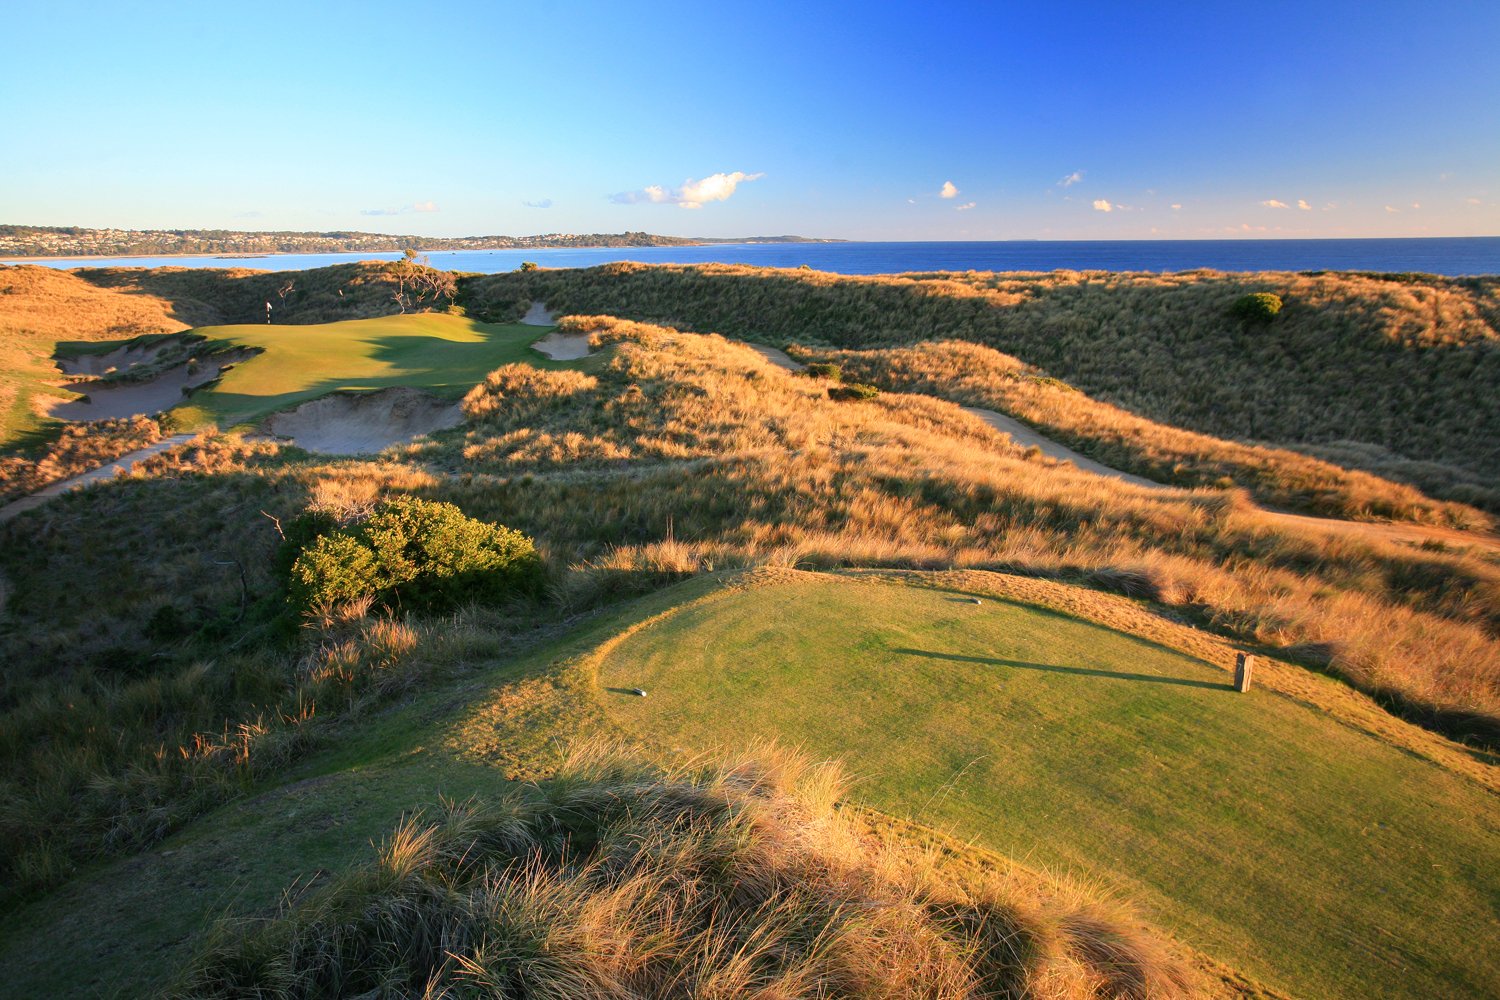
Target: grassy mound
(619,880)
(1260,829)
(443,354)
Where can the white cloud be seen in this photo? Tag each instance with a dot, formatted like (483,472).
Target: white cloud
(544,203)
(1103,205)
(1273,203)
(1393,211)
(1071,179)
(692,193)
(1177,206)
(421,206)
(1302,204)
(1473,201)
(1416,204)
(948,191)
(964,207)
(911,201)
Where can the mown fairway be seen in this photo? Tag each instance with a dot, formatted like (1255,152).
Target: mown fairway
(445,355)
(1304,852)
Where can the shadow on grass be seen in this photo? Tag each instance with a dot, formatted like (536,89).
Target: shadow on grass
(1078,671)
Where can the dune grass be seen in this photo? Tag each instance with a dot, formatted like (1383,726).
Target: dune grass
(1401,364)
(443,354)
(1311,855)
(127,926)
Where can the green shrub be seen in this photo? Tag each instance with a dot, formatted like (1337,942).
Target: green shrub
(527,265)
(825,369)
(852,390)
(1257,307)
(419,554)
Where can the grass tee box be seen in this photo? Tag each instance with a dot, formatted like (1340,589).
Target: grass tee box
(442,354)
(1311,855)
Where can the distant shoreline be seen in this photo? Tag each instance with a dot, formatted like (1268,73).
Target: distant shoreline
(1456,256)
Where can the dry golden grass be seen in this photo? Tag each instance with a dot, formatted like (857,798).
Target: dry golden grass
(620,879)
(745,463)
(981,376)
(1404,363)
(683,453)
(79,448)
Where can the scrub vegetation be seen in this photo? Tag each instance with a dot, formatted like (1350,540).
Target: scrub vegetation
(176,692)
(622,879)
(1402,363)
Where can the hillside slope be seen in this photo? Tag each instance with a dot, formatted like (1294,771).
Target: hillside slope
(1402,366)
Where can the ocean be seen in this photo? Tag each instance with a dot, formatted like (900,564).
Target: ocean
(1437,255)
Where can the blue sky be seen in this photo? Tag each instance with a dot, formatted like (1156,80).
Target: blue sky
(859,120)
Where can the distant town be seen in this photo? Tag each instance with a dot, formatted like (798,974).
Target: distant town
(71,241)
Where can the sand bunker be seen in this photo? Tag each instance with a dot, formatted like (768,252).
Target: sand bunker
(538,315)
(564,346)
(105,400)
(122,358)
(358,423)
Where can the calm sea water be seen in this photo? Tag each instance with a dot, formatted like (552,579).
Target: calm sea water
(1447,255)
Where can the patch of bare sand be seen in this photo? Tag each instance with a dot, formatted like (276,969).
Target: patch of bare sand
(539,315)
(360,423)
(105,400)
(564,346)
(121,358)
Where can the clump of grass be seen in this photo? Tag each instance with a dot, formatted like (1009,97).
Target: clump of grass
(852,391)
(77,449)
(618,878)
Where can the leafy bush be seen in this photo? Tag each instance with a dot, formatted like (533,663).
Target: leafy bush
(852,390)
(1257,307)
(417,553)
(823,369)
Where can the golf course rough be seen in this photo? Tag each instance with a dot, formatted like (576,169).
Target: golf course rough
(1256,828)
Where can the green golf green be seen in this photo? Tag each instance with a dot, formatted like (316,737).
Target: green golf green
(443,354)
(1302,851)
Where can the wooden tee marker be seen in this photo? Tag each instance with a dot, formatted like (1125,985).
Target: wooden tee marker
(1243,664)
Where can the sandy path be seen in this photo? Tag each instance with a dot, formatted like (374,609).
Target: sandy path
(538,315)
(1028,437)
(120,465)
(1024,436)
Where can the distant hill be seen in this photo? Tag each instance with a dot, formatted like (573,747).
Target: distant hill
(71,241)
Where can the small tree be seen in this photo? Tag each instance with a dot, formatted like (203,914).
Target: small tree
(1257,307)
(419,554)
(528,265)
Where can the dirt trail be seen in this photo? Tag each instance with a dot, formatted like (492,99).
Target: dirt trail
(1027,437)
(120,465)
